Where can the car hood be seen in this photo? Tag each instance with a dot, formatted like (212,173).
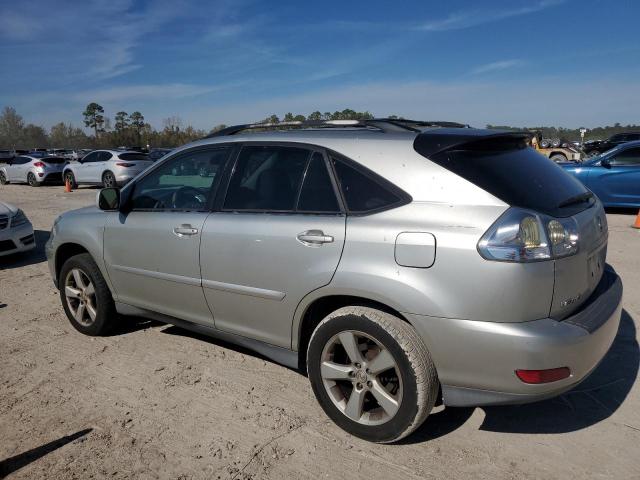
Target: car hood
(7,208)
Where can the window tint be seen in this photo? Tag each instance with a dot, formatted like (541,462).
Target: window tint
(317,194)
(361,192)
(105,156)
(630,156)
(133,156)
(186,182)
(266,178)
(92,157)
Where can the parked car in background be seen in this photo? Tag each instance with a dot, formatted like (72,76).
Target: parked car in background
(16,231)
(158,153)
(613,176)
(395,262)
(32,169)
(6,155)
(109,168)
(596,147)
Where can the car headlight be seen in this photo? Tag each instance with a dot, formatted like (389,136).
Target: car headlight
(19,219)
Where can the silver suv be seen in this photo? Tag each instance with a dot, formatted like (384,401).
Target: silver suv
(109,168)
(398,263)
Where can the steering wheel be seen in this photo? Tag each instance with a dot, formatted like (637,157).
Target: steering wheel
(188,197)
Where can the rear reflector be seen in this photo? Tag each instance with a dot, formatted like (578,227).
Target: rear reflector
(543,376)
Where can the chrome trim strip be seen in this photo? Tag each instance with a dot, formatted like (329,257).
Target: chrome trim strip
(169,277)
(243,290)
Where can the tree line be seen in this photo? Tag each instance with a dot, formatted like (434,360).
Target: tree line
(131,129)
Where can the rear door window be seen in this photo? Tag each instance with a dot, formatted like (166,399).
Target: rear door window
(90,158)
(317,194)
(267,178)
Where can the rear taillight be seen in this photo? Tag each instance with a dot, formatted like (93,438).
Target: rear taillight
(523,236)
(543,376)
(123,164)
(39,164)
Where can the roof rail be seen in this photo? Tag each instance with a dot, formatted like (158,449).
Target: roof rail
(380,124)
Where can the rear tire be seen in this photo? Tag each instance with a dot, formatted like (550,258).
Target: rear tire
(85,296)
(394,380)
(3,179)
(32,180)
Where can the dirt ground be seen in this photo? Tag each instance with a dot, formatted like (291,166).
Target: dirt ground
(156,401)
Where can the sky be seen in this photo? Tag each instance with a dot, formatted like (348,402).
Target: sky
(503,62)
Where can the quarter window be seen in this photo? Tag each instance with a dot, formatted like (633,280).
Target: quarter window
(362,192)
(267,178)
(185,182)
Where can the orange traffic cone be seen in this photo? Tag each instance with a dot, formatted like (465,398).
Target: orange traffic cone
(67,185)
(637,223)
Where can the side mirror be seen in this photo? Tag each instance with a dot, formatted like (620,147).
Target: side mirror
(605,163)
(108,199)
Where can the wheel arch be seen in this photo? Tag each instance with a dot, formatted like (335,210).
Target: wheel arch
(64,252)
(317,308)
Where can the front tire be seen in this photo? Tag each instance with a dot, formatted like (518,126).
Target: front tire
(32,180)
(68,175)
(85,296)
(108,180)
(371,373)
(558,158)
(3,179)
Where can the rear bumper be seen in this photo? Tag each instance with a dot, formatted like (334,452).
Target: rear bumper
(17,240)
(476,361)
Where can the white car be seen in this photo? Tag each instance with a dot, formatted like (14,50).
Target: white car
(109,168)
(16,231)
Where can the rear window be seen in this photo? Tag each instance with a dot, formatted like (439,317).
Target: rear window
(517,175)
(133,156)
(54,160)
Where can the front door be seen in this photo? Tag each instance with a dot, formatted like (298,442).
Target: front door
(278,236)
(152,253)
(619,184)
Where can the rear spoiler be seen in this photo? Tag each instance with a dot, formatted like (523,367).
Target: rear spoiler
(433,142)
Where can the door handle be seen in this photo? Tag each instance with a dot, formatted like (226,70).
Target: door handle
(185,230)
(314,237)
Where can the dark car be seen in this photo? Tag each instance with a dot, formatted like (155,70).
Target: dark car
(597,147)
(158,153)
(613,176)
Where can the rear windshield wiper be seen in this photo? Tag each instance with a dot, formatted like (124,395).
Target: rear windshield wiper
(583,197)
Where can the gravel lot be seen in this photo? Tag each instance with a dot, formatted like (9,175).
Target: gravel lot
(156,401)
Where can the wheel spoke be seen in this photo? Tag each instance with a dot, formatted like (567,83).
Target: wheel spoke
(383,361)
(335,371)
(77,276)
(384,398)
(92,311)
(79,315)
(350,345)
(89,290)
(71,292)
(353,410)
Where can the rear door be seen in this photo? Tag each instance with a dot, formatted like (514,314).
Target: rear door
(619,184)
(153,252)
(278,235)
(18,169)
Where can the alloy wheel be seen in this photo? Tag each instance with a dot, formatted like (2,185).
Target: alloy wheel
(31,179)
(109,180)
(361,377)
(80,295)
